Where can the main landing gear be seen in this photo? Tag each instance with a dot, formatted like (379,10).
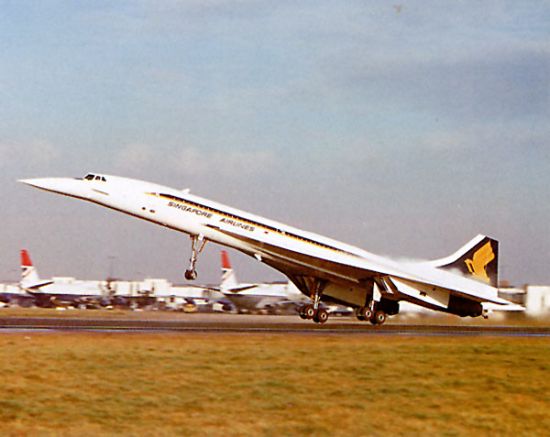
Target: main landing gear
(197,245)
(318,316)
(371,314)
(313,311)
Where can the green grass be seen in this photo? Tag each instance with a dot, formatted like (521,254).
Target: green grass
(272,385)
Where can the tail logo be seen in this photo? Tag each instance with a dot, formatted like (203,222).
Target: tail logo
(25,271)
(481,259)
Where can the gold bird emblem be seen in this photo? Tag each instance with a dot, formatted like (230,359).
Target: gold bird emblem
(478,265)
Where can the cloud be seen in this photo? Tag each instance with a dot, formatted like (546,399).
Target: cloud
(501,85)
(28,156)
(193,161)
(496,138)
(228,163)
(133,156)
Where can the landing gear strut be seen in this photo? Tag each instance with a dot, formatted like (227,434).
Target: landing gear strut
(197,245)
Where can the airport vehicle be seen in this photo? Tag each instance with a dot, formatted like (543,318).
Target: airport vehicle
(321,267)
(59,292)
(272,298)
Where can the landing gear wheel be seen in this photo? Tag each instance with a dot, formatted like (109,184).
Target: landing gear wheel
(309,312)
(367,313)
(364,313)
(321,316)
(302,313)
(379,318)
(190,275)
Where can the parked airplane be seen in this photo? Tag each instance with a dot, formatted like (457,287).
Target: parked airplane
(271,297)
(320,267)
(11,294)
(51,293)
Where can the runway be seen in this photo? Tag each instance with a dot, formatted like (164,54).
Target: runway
(223,323)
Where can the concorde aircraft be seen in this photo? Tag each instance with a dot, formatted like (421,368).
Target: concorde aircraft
(321,268)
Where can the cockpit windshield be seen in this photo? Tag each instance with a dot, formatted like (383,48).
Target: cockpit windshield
(92,177)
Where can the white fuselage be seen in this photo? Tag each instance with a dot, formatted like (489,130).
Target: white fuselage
(262,295)
(74,288)
(268,241)
(182,211)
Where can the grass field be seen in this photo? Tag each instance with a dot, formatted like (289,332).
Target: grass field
(272,385)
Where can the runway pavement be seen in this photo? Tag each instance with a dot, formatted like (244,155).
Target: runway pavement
(224,323)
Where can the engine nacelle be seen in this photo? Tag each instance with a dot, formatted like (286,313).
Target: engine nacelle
(390,307)
(464,307)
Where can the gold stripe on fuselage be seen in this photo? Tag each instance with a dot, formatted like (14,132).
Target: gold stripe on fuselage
(245,221)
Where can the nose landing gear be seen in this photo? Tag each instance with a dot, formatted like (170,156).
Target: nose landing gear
(197,245)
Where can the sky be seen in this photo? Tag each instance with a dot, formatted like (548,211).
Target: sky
(404,128)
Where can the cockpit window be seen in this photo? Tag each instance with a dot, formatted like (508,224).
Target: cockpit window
(91,177)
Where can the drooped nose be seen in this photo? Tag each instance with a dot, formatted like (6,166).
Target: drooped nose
(66,186)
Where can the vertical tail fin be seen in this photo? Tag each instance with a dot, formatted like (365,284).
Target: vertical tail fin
(29,274)
(478,259)
(229,279)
